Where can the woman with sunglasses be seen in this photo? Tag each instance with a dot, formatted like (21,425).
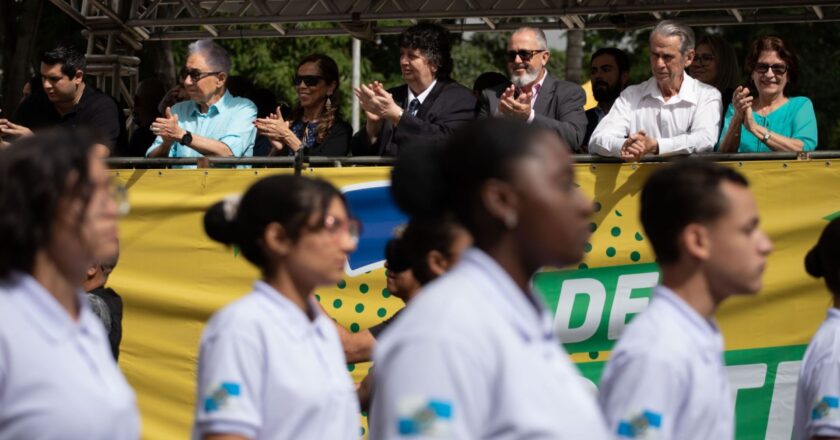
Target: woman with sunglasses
(474,356)
(58,379)
(315,124)
(271,365)
(772,120)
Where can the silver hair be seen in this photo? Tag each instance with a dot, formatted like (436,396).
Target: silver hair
(216,56)
(671,28)
(538,33)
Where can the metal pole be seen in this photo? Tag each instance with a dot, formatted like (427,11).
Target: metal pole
(357,80)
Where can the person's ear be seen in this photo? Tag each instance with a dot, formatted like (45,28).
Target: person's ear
(623,79)
(438,263)
(689,57)
(545,57)
(91,272)
(222,79)
(79,77)
(501,201)
(695,241)
(276,241)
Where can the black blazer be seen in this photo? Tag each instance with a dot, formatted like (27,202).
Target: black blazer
(336,143)
(447,106)
(559,107)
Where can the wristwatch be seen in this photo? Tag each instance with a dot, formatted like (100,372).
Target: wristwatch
(766,137)
(186,140)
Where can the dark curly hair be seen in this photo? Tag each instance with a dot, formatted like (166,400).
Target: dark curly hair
(36,173)
(70,58)
(432,41)
(786,53)
(329,70)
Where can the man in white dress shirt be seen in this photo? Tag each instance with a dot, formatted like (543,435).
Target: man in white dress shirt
(665,378)
(670,113)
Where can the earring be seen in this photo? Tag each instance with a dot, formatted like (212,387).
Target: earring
(329,102)
(511,220)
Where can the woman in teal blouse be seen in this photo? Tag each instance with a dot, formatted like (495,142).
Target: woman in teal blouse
(772,121)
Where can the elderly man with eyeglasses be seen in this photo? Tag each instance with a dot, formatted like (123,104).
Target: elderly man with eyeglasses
(534,95)
(670,113)
(212,122)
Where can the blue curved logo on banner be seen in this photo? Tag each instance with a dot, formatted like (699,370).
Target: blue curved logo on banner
(371,204)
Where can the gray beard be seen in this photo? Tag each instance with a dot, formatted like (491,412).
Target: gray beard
(526,78)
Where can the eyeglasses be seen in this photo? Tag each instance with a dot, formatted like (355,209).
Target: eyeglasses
(704,59)
(778,69)
(523,54)
(309,80)
(336,226)
(119,194)
(195,74)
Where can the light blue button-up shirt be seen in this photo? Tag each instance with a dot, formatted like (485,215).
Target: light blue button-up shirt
(230,121)
(58,379)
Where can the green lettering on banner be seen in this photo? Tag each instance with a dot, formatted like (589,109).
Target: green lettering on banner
(592,307)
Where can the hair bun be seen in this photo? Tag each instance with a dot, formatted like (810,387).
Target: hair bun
(813,263)
(220,219)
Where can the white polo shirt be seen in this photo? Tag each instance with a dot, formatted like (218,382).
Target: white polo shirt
(475,357)
(58,378)
(688,122)
(265,371)
(818,393)
(666,379)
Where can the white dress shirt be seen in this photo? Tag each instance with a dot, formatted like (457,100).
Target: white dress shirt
(689,122)
(422,96)
(266,371)
(58,378)
(665,378)
(818,394)
(475,357)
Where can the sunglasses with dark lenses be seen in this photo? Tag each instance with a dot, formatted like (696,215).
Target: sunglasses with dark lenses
(309,80)
(778,69)
(195,74)
(524,55)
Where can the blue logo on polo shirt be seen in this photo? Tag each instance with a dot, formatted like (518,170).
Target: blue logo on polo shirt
(826,408)
(641,426)
(431,418)
(372,205)
(220,397)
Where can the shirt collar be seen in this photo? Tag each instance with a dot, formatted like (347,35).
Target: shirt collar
(216,108)
(421,97)
(46,312)
(833,314)
(293,318)
(688,90)
(516,306)
(705,330)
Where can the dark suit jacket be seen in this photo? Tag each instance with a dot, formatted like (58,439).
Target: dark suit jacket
(559,107)
(447,106)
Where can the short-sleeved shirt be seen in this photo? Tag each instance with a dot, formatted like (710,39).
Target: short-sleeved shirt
(230,120)
(266,371)
(666,379)
(58,379)
(95,111)
(794,119)
(818,393)
(473,356)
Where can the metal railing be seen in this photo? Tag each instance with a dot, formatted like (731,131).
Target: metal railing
(301,162)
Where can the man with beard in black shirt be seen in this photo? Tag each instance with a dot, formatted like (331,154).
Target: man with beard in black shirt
(610,73)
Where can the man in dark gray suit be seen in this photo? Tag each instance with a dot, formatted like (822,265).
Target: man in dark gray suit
(535,95)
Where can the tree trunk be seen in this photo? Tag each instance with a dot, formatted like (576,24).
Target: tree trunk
(158,55)
(17,64)
(574,55)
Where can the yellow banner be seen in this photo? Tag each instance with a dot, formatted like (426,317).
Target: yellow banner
(172,277)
